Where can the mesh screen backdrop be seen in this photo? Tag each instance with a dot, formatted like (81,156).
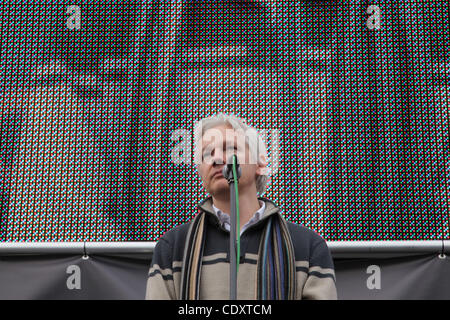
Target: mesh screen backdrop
(99,100)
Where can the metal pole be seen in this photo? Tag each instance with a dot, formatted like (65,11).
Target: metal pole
(227,172)
(339,249)
(42,248)
(233,259)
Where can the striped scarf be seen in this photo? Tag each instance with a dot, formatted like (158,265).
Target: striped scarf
(275,266)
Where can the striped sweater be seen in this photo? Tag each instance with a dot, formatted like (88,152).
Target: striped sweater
(315,275)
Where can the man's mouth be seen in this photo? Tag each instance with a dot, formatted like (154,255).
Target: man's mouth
(218,175)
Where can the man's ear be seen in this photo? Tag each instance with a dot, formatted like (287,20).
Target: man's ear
(262,166)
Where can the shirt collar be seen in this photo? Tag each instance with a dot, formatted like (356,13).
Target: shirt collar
(225,218)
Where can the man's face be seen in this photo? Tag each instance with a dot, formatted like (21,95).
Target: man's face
(217,145)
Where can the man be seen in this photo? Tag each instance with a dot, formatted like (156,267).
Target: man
(279,259)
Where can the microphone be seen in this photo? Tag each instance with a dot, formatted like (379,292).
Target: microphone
(227,170)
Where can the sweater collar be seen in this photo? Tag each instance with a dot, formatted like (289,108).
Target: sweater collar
(271,208)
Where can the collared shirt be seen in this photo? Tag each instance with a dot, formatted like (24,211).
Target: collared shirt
(224,218)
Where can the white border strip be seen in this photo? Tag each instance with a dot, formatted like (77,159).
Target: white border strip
(337,248)
(7,248)
(407,246)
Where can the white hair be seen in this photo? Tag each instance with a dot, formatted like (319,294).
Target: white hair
(253,139)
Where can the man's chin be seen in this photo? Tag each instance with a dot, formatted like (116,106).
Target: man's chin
(220,189)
